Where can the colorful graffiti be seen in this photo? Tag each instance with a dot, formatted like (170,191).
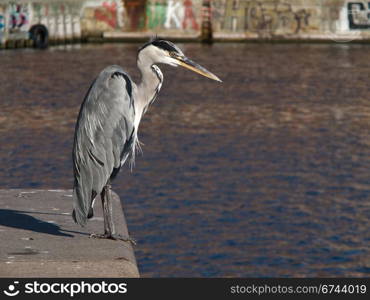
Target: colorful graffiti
(171,14)
(101,16)
(189,16)
(162,15)
(156,13)
(359,15)
(178,14)
(2,22)
(107,13)
(19,17)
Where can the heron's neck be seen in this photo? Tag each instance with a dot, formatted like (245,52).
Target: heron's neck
(148,88)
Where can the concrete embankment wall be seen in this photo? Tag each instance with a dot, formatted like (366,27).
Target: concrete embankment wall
(69,20)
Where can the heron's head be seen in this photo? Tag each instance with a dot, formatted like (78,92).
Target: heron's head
(165,52)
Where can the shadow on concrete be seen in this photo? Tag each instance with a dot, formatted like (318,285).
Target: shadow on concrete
(19,219)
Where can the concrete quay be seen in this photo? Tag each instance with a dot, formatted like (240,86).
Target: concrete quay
(40,239)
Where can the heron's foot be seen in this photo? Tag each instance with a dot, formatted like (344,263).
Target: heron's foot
(115,237)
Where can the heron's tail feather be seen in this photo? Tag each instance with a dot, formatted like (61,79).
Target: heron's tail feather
(89,216)
(79,219)
(74,216)
(80,211)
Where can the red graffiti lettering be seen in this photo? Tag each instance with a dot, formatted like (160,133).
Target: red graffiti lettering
(189,15)
(107,14)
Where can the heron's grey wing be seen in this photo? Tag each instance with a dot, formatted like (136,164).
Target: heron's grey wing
(104,129)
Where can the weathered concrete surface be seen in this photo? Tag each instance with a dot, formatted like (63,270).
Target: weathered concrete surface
(40,239)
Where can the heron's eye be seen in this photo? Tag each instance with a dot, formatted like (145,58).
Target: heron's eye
(174,54)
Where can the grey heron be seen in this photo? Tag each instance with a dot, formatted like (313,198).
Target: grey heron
(106,132)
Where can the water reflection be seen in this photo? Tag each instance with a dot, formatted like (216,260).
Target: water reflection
(264,175)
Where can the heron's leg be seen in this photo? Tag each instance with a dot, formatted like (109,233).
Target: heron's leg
(109,231)
(106,197)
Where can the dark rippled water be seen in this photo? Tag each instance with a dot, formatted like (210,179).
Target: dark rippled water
(267,174)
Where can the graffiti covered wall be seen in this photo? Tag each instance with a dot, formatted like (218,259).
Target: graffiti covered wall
(302,19)
(146,16)
(341,20)
(75,19)
(241,19)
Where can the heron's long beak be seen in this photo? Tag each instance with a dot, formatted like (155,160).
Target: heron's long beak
(191,65)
